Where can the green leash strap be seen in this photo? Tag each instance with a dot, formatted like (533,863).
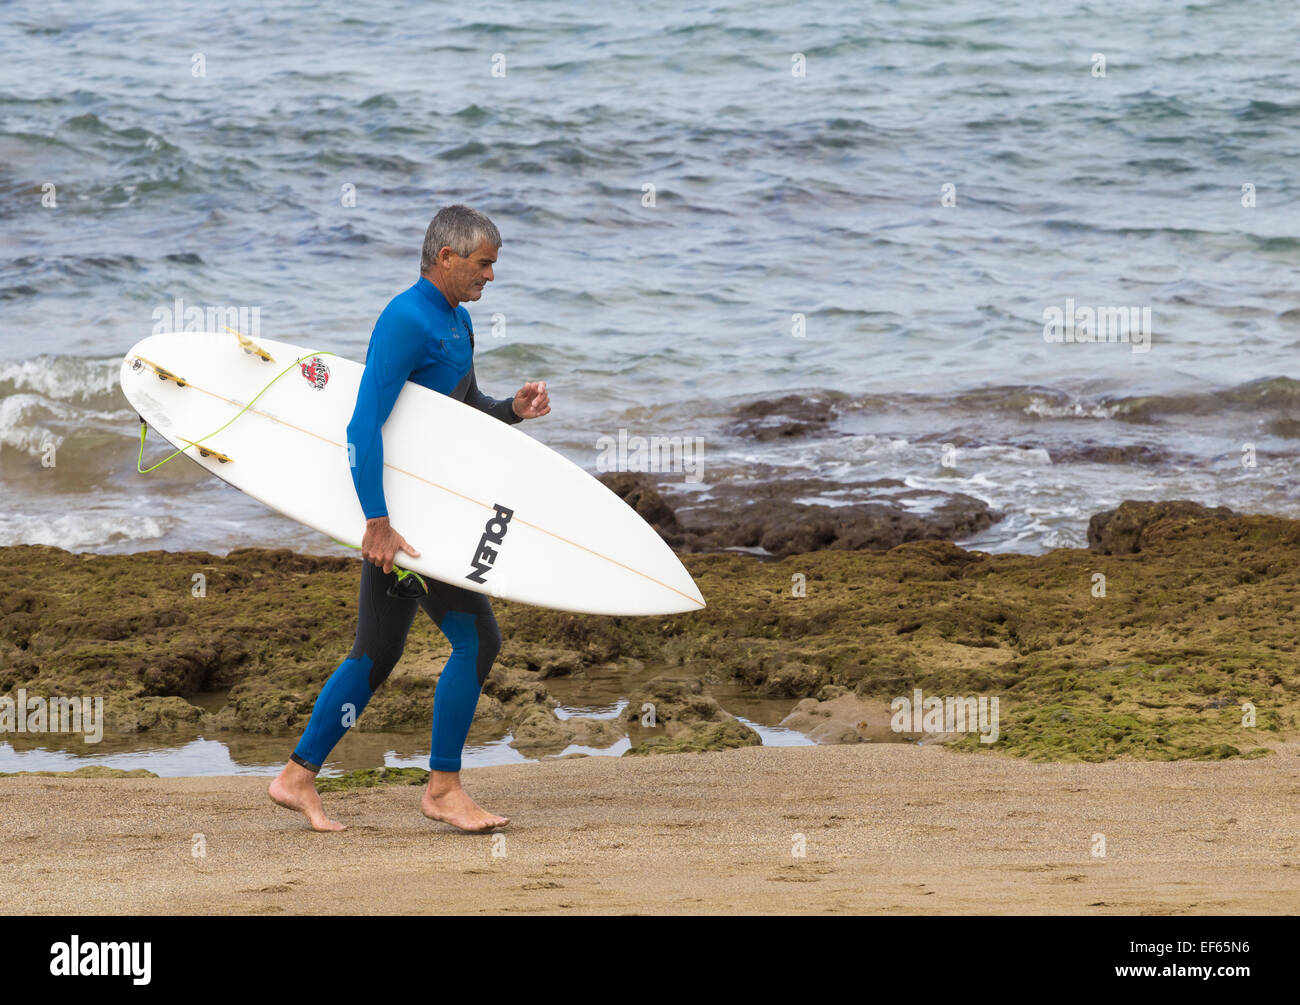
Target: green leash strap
(401,573)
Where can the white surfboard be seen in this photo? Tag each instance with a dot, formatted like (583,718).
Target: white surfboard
(488,507)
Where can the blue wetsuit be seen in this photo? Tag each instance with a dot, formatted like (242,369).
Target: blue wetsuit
(418,337)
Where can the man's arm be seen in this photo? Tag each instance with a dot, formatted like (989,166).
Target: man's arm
(500,408)
(395,349)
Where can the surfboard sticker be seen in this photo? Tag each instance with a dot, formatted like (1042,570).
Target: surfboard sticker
(316,372)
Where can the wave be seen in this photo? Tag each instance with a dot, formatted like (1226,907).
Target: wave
(85,381)
(87,528)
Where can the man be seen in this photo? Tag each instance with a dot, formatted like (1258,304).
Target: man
(425,336)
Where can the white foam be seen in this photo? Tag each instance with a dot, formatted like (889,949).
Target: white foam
(18,431)
(1073,410)
(76,531)
(21,426)
(65,378)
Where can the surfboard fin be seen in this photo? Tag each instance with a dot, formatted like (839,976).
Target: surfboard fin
(249,346)
(163,373)
(208,451)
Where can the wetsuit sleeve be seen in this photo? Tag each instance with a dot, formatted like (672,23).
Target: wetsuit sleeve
(500,408)
(396,347)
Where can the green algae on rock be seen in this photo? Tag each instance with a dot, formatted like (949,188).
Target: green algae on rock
(368,778)
(698,738)
(1170,652)
(1119,531)
(89,771)
(693,722)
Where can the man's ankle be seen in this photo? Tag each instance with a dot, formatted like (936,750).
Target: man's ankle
(442,783)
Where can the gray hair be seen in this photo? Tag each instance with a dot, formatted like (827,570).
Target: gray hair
(459,228)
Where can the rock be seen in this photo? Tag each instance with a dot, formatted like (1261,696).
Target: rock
(676,700)
(692,721)
(789,417)
(537,731)
(143,715)
(516,690)
(89,771)
(547,663)
(765,515)
(367,778)
(698,738)
(1099,453)
(635,490)
(258,707)
(1205,613)
(794,678)
(843,717)
(1120,531)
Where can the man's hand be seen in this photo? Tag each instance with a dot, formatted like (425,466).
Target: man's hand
(531,401)
(381,543)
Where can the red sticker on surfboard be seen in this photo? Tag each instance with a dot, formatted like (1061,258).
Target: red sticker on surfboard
(316,372)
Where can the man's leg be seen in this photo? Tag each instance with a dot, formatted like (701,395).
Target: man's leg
(382,626)
(467,620)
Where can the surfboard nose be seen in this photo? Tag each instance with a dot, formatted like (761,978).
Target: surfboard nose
(693,591)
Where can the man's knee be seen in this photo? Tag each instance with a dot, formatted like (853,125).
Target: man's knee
(489,644)
(382,663)
(475,633)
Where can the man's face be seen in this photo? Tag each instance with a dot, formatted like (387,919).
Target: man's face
(468,276)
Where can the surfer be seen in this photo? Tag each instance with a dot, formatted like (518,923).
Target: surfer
(423,335)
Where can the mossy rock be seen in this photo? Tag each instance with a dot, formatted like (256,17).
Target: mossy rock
(699,739)
(89,771)
(368,778)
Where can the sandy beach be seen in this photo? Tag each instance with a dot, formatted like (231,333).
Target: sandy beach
(893,828)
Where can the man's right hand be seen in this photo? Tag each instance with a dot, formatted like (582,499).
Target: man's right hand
(381,543)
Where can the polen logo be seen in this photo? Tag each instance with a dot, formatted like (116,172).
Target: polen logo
(316,372)
(493,533)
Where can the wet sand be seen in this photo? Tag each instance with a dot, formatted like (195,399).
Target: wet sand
(889,828)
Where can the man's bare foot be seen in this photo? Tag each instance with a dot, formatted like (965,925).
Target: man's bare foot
(446,801)
(295,789)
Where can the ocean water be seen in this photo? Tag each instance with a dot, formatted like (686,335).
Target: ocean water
(799,242)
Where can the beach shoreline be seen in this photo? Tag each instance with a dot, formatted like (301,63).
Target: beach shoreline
(889,828)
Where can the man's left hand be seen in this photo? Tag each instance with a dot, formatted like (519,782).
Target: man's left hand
(531,400)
